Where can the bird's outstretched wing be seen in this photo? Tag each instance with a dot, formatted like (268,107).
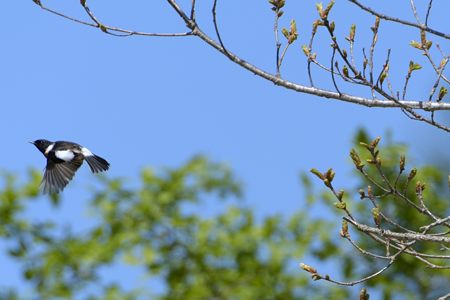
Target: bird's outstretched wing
(58,175)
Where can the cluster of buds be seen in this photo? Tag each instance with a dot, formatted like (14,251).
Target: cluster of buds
(344,229)
(424,44)
(323,13)
(356,160)
(442,92)
(308,53)
(375,160)
(290,34)
(351,36)
(311,270)
(420,187)
(402,163)
(326,177)
(363,295)
(412,174)
(363,195)
(277,5)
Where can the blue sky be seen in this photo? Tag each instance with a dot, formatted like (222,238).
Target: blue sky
(156,102)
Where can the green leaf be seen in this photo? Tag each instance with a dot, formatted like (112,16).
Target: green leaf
(317,173)
(442,92)
(340,205)
(285,33)
(415,44)
(345,71)
(414,66)
(306,50)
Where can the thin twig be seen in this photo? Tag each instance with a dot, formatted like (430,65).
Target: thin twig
(310,54)
(389,85)
(434,224)
(110,28)
(352,283)
(433,64)
(425,209)
(387,219)
(413,7)
(439,76)
(374,182)
(352,54)
(364,62)
(311,82)
(193,10)
(277,43)
(332,71)
(216,28)
(405,86)
(372,47)
(365,252)
(430,4)
(397,20)
(340,200)
(385,66)
(283,53)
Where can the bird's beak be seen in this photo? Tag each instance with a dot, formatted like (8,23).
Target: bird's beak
(31,142)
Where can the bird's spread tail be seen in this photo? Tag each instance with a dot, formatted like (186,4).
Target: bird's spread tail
(96,163)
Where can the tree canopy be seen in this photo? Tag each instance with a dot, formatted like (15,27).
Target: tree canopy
(231,254)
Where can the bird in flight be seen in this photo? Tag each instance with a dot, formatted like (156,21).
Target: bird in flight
(63,160)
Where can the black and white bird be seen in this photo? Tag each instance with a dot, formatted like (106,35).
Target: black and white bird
(63,160)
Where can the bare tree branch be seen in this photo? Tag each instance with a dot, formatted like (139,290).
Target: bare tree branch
(397,20)
(386,231)
(399,235)
(445,297)
(116,29)
(387,100)
(317,276)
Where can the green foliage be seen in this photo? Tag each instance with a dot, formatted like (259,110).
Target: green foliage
(407,276)
(159,228)
(226,256)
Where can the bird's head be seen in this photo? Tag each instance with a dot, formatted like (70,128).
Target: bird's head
(42,145)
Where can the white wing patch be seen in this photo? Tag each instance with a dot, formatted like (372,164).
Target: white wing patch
(49,148)
(65,155)
(85,151)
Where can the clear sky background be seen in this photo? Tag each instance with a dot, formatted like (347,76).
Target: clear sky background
(158,101)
